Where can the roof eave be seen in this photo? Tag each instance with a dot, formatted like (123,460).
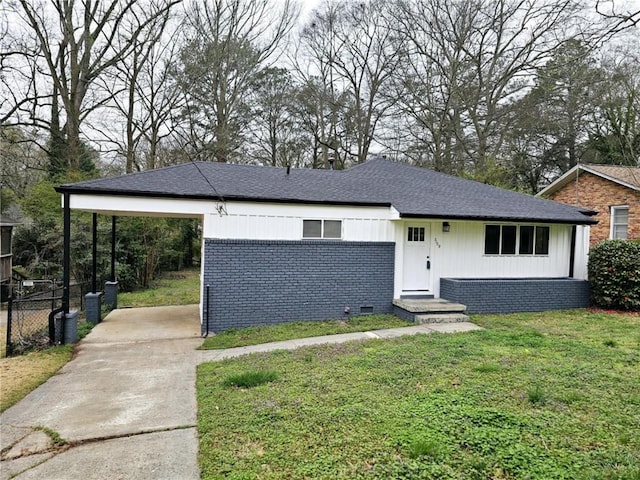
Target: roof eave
(610,178)
(558,183)
(488,218)
(235,198)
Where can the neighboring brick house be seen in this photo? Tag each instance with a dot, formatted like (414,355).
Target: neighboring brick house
(613,191)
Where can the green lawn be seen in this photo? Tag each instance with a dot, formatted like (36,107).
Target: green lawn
(173,288)
(535,396)
(287,331)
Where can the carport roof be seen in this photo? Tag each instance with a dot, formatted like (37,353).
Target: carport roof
(412,191)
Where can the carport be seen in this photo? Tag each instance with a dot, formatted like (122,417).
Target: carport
(117,202)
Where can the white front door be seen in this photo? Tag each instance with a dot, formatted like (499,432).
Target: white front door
(417,259)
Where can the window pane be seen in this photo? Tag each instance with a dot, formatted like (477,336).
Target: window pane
(415,234)
(5,248)
(526,240)
(619,221)
(492,240)
(332,229)
(311,228)
(542,240)
(620,232)
(621,216)
(508,240)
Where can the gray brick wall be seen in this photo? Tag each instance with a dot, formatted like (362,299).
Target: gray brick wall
(261,282)
(516,295)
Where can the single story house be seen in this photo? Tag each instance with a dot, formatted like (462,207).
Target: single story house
(282,244)
(613,191)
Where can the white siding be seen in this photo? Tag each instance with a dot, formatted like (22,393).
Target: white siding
(459,253)
(140,206)
(247,220)
(252,221)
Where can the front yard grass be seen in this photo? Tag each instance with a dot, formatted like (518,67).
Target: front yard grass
(287,331)
(537,396)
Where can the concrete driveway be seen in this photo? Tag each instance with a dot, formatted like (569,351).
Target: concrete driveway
(125,404)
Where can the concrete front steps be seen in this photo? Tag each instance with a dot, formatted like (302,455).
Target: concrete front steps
(429,310)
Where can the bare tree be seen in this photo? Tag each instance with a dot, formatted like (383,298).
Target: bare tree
(618,18)
(431,78)
(467,61)
(22,91)
(144,94)
(275,135)
(76,43)
(322,93)
(347,51)
(230,42)
(22,163)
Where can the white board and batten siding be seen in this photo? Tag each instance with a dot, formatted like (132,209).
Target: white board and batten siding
(264,221)
(459,253)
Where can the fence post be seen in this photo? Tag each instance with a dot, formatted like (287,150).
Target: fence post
(9,307)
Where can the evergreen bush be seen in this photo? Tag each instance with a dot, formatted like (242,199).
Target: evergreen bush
(614,273)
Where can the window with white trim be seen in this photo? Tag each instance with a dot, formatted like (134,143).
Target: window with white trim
(516,239)
(330,229)
(619,222)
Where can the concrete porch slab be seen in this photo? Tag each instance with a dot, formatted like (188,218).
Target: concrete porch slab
(433,305)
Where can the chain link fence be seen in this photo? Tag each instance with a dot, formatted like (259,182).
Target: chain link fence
(29,317)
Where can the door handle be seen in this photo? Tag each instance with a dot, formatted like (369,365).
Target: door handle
(428,264)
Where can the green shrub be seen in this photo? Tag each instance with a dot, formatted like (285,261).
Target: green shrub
(614,273)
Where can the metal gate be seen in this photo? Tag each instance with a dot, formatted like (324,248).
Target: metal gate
(29,315)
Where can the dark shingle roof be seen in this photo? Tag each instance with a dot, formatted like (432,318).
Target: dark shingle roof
(413,191)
